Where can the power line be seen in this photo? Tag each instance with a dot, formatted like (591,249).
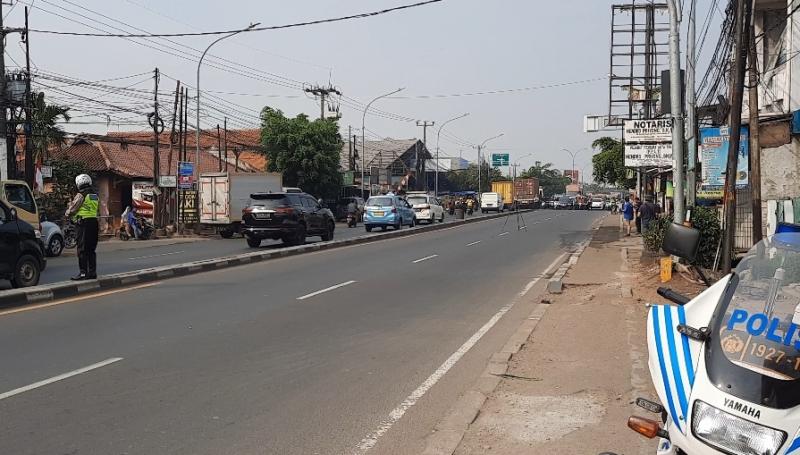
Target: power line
(255,29)
(503,91)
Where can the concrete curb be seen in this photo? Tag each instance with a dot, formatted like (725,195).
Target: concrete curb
(556,283)
(449,432)
(67,289)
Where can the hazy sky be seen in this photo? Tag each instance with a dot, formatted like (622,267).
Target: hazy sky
(451,47)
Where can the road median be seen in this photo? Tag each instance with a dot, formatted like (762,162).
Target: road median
(69,289)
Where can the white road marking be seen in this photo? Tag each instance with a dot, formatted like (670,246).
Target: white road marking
(502,234)
(321,291)
(157,255)
(60,377)
(75,299)
(474,243)
(548,219)
(397,413)
(424,259)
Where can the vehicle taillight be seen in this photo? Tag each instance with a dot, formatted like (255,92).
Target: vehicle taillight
(286,210)
(394,210)
(247,210)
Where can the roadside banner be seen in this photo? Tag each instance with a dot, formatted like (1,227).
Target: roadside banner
(185,175)
(648,143)
(714,144)
(188,206)
(142,196)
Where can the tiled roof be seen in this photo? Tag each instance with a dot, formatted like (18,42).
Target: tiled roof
(135,161)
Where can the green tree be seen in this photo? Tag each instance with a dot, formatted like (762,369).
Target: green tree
(609,164)
(550,180)
(46,131)
(305,152)
(467,179)
(54,203)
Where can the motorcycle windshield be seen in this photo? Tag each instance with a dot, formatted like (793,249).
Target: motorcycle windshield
(756,353)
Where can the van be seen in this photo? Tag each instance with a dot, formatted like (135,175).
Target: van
(491,202)
(17,195)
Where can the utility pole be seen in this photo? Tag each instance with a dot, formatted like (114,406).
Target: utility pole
(219,147)
(10,163)
(741,32)
(322,93)
(424,124)
(225,140)
(691,109)
(676,107)
(350,148)
(30,173)
(157,123)
(755,141)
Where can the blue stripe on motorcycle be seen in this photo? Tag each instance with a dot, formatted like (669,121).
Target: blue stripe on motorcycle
(673,358)
(665,379)
(687,352)
(795,445)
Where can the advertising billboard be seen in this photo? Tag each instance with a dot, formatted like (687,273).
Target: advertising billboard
(714,144)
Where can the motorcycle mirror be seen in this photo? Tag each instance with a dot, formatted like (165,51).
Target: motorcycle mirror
(682,241)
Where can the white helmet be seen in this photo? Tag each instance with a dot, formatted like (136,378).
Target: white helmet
(83,181)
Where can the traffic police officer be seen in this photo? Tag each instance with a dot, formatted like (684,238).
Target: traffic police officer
(83,210)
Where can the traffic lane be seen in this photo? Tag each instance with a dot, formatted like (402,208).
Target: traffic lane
(247,362)
(88,321)
(64,267)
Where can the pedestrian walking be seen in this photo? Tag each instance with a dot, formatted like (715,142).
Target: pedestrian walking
(627,215)
(83,210)
(637,204)
(648,212)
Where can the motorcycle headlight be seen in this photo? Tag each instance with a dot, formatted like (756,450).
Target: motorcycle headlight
(732,434)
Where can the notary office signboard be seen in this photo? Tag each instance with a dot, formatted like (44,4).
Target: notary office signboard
(648,143)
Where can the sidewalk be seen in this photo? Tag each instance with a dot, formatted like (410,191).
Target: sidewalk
(122,245)
(571,387)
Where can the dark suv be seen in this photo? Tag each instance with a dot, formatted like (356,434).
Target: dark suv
(290,217)
(21,252)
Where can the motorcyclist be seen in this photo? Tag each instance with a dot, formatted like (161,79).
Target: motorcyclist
(83,211)
(133,222)
(352,209)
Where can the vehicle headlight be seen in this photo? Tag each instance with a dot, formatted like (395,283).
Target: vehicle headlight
(733,434)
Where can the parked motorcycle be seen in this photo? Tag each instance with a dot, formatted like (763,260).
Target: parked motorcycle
(352,220)
(146,229)
(726,364)
(70,230)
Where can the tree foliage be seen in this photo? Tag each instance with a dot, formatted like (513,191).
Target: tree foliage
(550,180)
(467,179)
(54,203)
(306,152)
(609,163)
(46,131)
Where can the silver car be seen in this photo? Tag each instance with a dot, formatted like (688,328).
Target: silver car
(52,238)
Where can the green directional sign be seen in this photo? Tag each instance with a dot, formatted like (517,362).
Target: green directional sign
(500,159)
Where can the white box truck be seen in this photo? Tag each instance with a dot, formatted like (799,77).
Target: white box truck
(224,195)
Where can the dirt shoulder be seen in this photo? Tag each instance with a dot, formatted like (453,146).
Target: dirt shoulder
(571,387)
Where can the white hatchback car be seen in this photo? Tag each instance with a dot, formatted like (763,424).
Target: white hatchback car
(426,207)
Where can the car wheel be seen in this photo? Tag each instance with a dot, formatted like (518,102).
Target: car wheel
(55,246)
(253,242)
(226,233)
(413,222)
(328,234)
(368,228)
(441,218)
(26,272)
(399,225)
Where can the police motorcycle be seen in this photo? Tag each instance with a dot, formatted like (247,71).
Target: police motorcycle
(726,364)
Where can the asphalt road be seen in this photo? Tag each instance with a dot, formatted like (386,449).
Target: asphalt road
(142,254)
(347,351)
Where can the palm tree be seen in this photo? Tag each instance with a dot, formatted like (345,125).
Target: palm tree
(46,131)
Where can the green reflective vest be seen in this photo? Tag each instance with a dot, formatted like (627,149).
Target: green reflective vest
(89,208)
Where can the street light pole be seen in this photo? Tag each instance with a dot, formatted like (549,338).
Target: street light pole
(676,107)
(438,134)
(573,155)
(364,134)
(197,126)
(479,161)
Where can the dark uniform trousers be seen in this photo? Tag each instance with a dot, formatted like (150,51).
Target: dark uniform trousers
(87,233)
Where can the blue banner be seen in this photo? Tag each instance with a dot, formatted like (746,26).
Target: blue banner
(714,144)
